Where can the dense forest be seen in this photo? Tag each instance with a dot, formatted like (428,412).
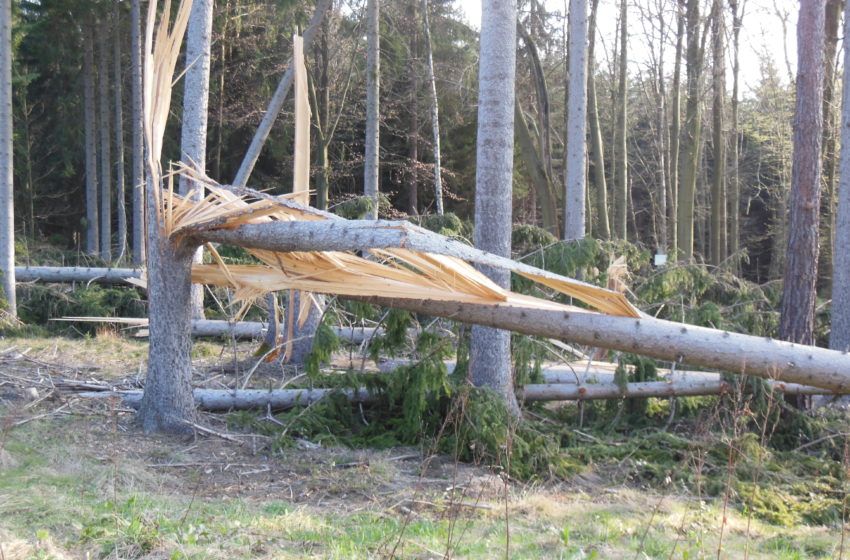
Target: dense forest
(742,155)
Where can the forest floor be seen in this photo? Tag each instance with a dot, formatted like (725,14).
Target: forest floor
(79,480)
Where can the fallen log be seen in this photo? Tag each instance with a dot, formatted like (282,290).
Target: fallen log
(75,274)
(218,400)
(240,329)
(656,338)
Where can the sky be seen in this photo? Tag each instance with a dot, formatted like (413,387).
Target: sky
(761,34)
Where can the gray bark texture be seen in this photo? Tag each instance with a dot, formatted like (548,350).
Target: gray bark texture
(576,164)
(665,340)
(103,82)
(7,210)
(120,195)
(490,351)
(839,338)
(167,403)
(137,166)
(220,400)
(276,102)
(196,94)
(798,297)
(89,126)
(373,103)
(74,274)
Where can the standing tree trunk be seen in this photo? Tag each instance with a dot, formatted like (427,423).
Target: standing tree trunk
(693,133)
(718,182)
(621,159)
(798,296)
(137,166)
(196,95)
(831,21)
(603,229)
(839,336)
(120,197)
(413,130)
(734,187)
(89,127)
(167,403)
(7,210)
(435,111)
(576,148)
(490,352)
(661,241)
(105,142)
(373,104)
(675,134)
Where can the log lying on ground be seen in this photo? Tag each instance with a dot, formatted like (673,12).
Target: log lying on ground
(239,329)
(218,400)
(675,342)
(75,274)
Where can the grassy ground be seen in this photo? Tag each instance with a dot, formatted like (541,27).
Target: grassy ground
(78,480)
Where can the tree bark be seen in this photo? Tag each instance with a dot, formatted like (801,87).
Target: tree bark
(120,196)
(413,127)
(89,128)
(435,112)
(718,179)
(276,102)
(105,105)
(138,165)
(7,211)
(221,400)
(74,274)
(621,159)
(602,227)
(839,337)
(675,134)
(540,179)
(798,296)
(196,95)
(371,165)
(734,185)
(693,133)
(490,348)
(576,142)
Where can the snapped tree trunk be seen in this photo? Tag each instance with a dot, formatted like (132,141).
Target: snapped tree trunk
(490,364)
(839,337)
(276,102)
(371,165)
(196,94)
(89,131)
(7,212)
(575,180)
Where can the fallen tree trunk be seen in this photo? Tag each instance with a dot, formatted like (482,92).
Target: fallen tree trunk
(676,342)
(74,274)
(218,400)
